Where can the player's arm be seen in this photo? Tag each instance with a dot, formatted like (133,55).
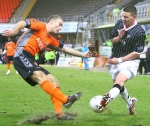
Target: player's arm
(74,52)
(58,45)
(117,33)
(16,29)
(138,48)
(131,56)
(69,50)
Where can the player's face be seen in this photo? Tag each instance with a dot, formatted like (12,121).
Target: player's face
(128,19)
(9,39)
(56,25)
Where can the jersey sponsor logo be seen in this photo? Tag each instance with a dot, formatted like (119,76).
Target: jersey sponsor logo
(40,43)
(46,43)
(9,47)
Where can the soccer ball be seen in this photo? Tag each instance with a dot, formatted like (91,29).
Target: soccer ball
(95,102)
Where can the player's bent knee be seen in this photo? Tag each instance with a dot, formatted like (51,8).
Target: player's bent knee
(53,80)
(38,76)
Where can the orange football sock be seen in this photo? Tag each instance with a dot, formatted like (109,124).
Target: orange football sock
(49,88)
(57,106)
(8,66)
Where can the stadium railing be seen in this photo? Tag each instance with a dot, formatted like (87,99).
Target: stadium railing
(143,11)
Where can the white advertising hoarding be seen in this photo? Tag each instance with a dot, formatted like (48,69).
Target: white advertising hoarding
(74,61)
(68,27)
(105,51)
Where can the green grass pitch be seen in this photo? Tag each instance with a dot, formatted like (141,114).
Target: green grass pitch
(19,101)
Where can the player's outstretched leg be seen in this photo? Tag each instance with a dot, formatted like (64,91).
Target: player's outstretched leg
(72,99)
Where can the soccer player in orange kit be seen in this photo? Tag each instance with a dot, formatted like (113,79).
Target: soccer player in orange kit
(10,50)
(35,39)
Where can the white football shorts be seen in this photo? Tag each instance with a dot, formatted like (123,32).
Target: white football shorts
(128,68)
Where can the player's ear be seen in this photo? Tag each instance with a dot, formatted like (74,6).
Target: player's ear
(134,16)
(49,21)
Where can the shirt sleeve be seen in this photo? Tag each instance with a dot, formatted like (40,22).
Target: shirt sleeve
(36,24)
(114,32)
(139,45)
(53,42)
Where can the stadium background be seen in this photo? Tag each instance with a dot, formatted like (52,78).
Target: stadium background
(89,21)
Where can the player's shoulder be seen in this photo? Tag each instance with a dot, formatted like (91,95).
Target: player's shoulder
(36,22)
(140,29)
(12,43)
(6,43)
(119,22)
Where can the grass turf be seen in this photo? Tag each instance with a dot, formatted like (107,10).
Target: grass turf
(19,101)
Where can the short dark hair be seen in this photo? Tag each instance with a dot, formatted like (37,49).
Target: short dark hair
(54,17)
(130,9)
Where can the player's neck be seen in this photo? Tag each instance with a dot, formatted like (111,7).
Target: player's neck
(131,26)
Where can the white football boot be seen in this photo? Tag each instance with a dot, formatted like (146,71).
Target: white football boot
(8,72)
(130,107)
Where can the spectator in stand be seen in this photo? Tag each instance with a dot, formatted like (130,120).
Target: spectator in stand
(10,50)
(116,13)
(109,15)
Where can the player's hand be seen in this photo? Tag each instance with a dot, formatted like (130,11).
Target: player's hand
(87,54)
(121,33)
(8,33)
(113,61)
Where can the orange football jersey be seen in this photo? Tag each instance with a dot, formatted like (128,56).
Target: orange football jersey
(10,47)
(35,38)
